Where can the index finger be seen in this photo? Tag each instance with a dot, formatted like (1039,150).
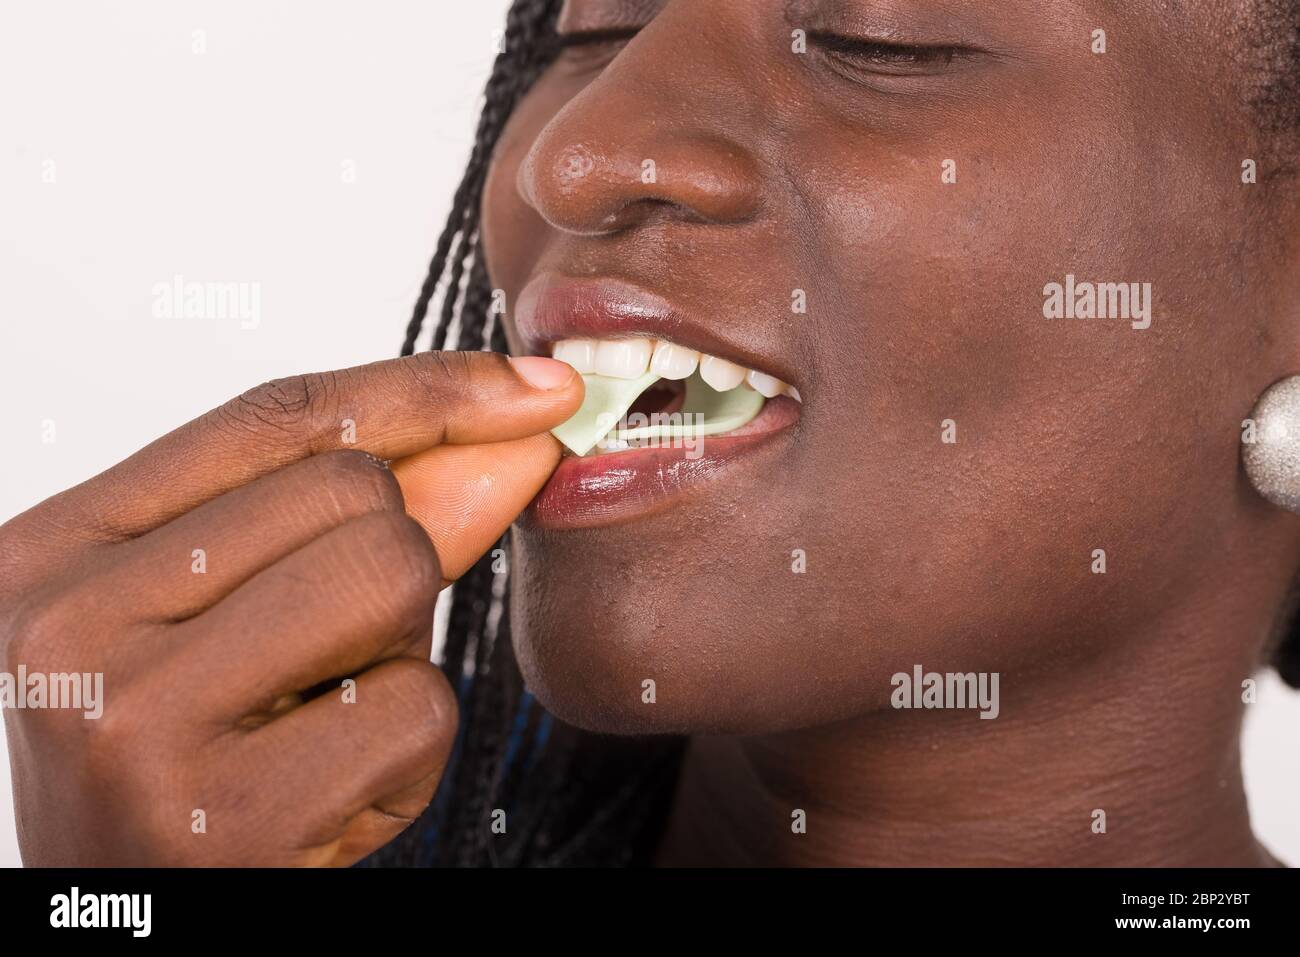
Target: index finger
(390,409)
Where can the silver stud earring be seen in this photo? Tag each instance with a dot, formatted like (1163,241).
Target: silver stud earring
(1272,453)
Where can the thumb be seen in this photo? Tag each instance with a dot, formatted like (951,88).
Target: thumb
(466,496)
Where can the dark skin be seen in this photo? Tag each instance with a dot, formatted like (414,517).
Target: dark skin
(1120,691)
(777,171)
(320,562)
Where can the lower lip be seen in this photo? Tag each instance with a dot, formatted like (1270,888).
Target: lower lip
(594,490)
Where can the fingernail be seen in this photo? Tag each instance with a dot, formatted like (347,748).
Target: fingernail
(541,372)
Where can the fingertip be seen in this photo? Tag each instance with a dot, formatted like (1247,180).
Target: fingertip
(558,389)
(543,373)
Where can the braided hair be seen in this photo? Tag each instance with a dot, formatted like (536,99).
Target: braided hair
(571,797)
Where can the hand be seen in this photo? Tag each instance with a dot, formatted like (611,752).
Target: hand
(218,575)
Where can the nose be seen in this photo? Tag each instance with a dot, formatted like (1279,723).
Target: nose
(635,146)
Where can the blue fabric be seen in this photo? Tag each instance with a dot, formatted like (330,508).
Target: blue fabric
(428,838)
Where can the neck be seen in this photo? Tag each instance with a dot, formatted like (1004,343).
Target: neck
(1154,749)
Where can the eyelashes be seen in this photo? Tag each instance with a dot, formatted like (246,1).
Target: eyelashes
(568,41)
(885,57)
(893,57)
(591,50)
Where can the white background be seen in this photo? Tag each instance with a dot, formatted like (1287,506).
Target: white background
(227,166)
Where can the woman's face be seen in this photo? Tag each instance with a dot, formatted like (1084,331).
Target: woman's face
(958,459)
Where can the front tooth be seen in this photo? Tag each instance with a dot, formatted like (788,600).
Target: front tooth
(579,353)
(765,385)
(793,393)
(673,361)
(722,375)
(623,358)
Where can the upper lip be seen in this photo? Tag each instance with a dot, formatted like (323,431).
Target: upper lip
(553,307)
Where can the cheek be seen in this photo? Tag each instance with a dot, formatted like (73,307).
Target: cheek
(993,451)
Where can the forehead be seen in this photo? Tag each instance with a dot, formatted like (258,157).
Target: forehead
(573,13)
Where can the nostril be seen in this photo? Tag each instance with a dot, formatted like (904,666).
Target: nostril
(640,212)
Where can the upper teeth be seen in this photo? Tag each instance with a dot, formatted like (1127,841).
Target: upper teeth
(632,358)
(673,361)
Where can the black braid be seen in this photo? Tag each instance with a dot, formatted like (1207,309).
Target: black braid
(438,265)
(528,42)
(472,321)
(489,727)
(478,302)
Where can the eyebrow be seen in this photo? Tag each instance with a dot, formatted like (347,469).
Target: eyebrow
(614,14)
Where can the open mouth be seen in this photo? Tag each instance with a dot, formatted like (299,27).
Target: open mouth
(673,402)
(655,393)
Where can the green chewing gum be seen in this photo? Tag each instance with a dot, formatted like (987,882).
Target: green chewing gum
(705,411)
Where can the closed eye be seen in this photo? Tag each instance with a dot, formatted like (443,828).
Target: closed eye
(588,37)
(885,56)
(587,46)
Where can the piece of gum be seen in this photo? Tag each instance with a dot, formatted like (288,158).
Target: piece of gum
(608,400)
(705,411)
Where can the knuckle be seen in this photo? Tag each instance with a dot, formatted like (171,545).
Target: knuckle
(38,631)
(132,753)
(289,404)
(400,546)
(453,374)
(358,478)
(421,702)
(120,734)
(391,563)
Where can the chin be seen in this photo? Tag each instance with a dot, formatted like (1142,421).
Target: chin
(593,674)
(588,636)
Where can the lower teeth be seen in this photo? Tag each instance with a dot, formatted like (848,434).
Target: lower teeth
(705,411)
